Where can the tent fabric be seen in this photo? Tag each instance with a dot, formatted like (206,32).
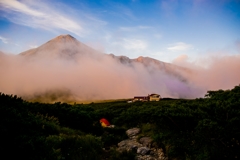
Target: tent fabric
(104,122)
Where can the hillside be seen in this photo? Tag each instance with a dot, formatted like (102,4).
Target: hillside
(183,129)
(64,69)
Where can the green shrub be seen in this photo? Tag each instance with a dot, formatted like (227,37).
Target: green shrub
(125,155)
(112,136)
(74,147)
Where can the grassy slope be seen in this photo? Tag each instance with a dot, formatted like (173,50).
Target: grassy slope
(186,129)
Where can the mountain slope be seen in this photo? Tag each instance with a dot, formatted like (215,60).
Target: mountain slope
(65,69)
(153,65)
(67,47)
(63,46)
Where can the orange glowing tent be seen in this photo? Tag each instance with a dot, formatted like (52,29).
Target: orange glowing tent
(104,122)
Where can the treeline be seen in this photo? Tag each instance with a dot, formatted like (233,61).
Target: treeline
(204,128)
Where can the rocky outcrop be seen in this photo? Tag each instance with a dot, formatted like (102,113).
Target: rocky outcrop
(131,133)
(146,141)
(143,147)
(143,150)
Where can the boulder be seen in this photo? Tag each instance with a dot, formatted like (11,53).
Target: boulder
(143,150)
(145,147)
(128,145)
(131,133)
(146,141)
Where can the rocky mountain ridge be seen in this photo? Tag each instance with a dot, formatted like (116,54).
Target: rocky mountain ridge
(68,47)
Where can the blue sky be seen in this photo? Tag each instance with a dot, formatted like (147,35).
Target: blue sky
(161,29)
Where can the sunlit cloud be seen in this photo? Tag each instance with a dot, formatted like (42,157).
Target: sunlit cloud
(17,6)
(4,40)
(38,15)
(181,58)
(180,46)
(104,71)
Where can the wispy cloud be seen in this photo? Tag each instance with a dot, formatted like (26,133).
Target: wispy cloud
(180,46)
(180,59)
(33,46)
(128,12)
(132,47)
(134,44)
(4,40)
(122,11)
(17,6)
(38,15)
(237,44)
(158,36)
(135,28)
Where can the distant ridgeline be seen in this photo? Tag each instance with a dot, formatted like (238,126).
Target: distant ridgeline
(204,128)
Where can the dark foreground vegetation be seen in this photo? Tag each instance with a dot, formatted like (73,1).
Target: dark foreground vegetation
(201,129)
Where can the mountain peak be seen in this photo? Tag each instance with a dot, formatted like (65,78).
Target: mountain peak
(64,46)
(64,38)
(140,59)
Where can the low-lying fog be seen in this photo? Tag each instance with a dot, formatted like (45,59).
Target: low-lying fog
(100,76)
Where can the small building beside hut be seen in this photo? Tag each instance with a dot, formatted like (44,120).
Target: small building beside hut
(140,98)
(150,97)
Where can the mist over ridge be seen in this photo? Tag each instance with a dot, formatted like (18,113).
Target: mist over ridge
(64,69)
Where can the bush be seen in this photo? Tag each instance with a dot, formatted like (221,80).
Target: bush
(74,147)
